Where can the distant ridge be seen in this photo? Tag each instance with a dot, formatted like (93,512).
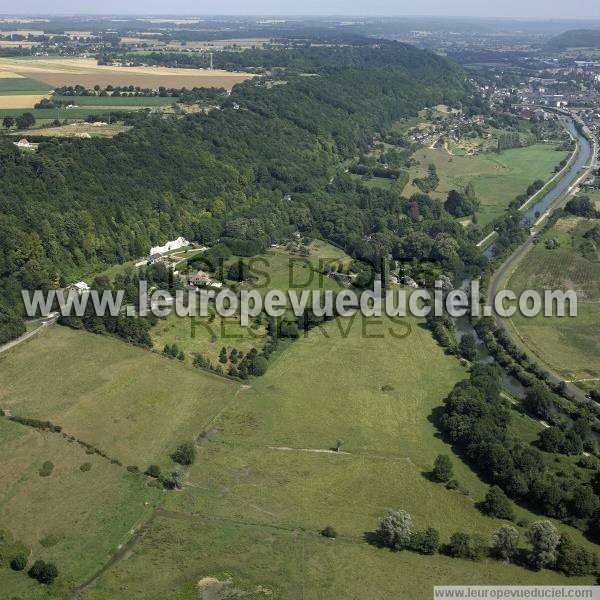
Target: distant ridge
(575,38)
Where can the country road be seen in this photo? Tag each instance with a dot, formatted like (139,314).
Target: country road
(44,324)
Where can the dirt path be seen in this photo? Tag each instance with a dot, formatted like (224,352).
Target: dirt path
(121,554)
(317,450)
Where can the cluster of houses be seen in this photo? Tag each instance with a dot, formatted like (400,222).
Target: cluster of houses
(449,127)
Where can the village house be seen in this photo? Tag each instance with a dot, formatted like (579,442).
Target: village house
(180,242)
(25,143)
(81,287)
(154,258)
(200,278)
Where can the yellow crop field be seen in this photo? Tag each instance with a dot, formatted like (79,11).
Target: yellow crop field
(85,71)
(20,100)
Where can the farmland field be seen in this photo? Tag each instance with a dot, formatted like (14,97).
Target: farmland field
(497,178)
(72,71)
(20,101)
(569,345)
(118,101)
(13,84)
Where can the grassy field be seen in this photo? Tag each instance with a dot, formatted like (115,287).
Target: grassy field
(119,101)
(265,481)
(14,85)
(131,403)
(46,115)
(264,485)
(497,178)
(75,130)
(270,562)
(74,518)
(570,346)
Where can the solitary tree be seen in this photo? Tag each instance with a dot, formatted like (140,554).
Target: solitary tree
(25,121)
(544,538)
(394,529)
(505,542)
(496,504)
(442,468)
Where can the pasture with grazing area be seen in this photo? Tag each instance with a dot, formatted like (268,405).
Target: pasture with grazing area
(266,480)
(73,517)
(131,403)
(497,178)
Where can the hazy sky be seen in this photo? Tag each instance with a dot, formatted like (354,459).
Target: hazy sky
(538,9)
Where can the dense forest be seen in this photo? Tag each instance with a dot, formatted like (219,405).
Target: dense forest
(263,165)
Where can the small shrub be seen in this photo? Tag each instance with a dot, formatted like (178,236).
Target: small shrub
(442,468)
(43,572)
(329,532)
(86,466)
(425,542)
(19,562)
(153,471)
(452,484)
(133,468)
(46,469)
(49,540)
(185,454)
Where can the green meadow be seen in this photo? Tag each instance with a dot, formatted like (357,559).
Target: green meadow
(10,86)
(497,178)
(116,101)
(265,481)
